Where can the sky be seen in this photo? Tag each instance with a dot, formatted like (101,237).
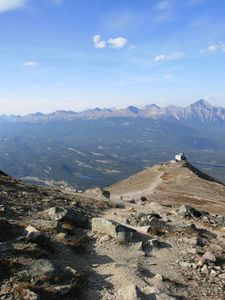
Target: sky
(78,54)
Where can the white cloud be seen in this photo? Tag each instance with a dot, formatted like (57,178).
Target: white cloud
(30,64)
(6,5)
(98,42)
(165,5)
(118,42)
(214,47)
(169,57)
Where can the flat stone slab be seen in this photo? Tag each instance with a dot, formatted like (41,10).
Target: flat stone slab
(120,232)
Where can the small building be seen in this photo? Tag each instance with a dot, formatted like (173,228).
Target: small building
(180,157)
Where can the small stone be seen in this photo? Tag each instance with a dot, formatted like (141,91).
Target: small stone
(132,201)
(60,236)
(209,256)
(205,270)
(213,273)
(205,219)
(64,289)
(222,276)
(32,233)
(185,265)
(200,263)
(104,239)
(71,270)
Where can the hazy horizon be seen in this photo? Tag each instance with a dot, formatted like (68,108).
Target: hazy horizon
(112,107)
(74,55)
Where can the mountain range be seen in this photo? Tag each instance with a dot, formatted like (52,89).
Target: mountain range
(102,146)
(199,111)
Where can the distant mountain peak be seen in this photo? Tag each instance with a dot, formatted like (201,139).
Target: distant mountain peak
(152,106)
(133,109)
(201,104)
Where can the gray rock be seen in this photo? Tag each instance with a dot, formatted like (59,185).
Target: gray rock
(130,292)
(158,282)
(141,219)
(137,246)
(40,267)
(157,226)
(209,256)
(64,289)
(220,220)
(32,233)
(222,276)
(45,225)
(205,270)
(122,233)
(188,211)
(181,227)
(185,265)
(75,217)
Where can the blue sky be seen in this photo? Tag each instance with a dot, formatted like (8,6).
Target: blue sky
(67,54)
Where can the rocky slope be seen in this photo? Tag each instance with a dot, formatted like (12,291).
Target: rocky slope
(200,111)
(135,240)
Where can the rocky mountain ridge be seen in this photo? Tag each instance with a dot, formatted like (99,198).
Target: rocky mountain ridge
(115,244)
(200,111)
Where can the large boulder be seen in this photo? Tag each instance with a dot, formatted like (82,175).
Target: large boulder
(70,215)
(45,225)
(122,233)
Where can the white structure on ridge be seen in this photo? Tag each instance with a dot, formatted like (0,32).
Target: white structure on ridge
(180,157)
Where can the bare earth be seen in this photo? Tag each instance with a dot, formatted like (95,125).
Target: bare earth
(105,268)
(174,184)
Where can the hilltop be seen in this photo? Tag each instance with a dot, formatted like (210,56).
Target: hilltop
(134,240)
(176,184)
